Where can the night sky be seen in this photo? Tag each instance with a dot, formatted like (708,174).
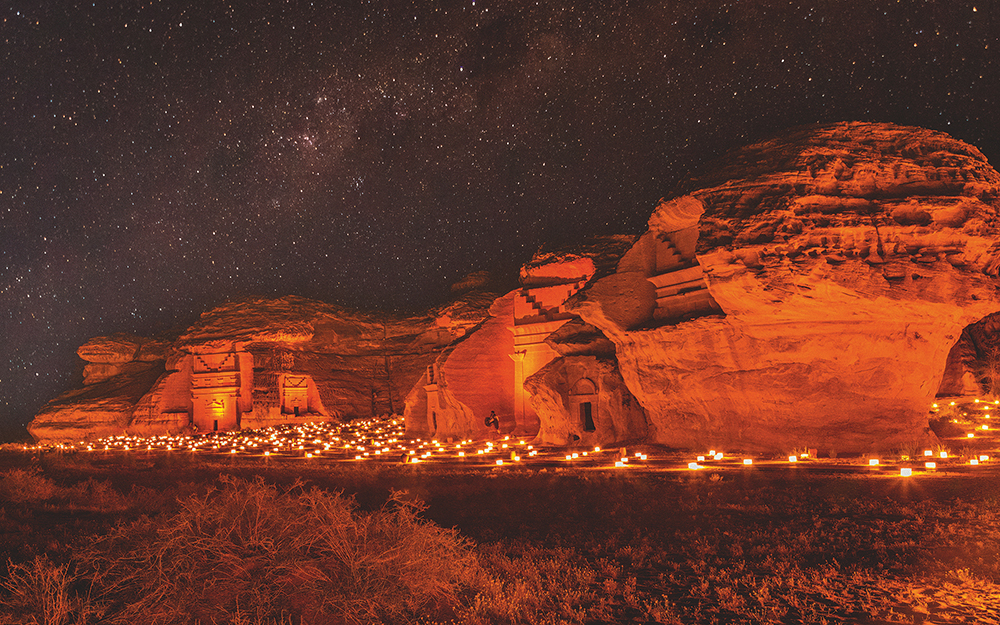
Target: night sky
(159,158)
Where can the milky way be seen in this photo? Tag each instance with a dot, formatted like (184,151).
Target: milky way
(161,159)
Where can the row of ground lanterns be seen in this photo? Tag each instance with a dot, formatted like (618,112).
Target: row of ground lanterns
(384,440)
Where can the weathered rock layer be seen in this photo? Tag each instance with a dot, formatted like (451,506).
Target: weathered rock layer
(844,261)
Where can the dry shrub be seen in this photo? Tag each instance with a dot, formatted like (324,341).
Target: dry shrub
(248,550)
(40,593)
(24,486)
(31,487)
(528,584)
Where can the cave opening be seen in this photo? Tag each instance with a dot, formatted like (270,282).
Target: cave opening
(968,393)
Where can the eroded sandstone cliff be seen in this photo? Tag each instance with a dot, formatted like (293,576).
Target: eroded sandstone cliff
(256,363)
(808,291)
(836,267)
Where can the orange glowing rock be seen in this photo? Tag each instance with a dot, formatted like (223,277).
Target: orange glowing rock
(256,363)
(766,290)
(807,290)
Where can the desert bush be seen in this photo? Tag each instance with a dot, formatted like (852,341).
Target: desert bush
(247,548)
(26,485)
(40,593)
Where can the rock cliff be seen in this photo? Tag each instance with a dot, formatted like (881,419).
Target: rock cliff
(256,363)
(807,291)
(815,290)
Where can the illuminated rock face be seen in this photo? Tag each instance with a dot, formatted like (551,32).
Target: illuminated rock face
(119,370)
(835,270)
(253,364)
(583,400)
(467,382)
(807,292)
(505,366)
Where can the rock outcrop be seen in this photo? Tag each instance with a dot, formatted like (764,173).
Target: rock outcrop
(256,363)
(808,291)
(533,364)
(835,269)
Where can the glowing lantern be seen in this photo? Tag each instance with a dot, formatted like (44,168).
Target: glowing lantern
(499,461)
(930,465)
(985,427)
(693,465)
(597,449)
(974,461)
(619,463)
(906,472)
(461,454)
(983,458)
(576,455)
(873,462)
(944,454)
(701,458)
(748,461)
(718,456)
(971,435)
(793,458)
(928,452)
(569,457)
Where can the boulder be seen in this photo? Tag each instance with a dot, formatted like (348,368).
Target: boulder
(806,292)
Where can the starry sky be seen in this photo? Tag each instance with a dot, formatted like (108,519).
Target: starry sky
(160,158)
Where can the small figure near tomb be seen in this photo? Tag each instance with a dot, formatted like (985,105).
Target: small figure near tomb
(492,421)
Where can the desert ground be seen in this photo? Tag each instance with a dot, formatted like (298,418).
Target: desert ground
(322,529)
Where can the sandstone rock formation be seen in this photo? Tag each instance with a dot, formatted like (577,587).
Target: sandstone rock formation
(256,363)
(543,373)
(835,269)
(808,291)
